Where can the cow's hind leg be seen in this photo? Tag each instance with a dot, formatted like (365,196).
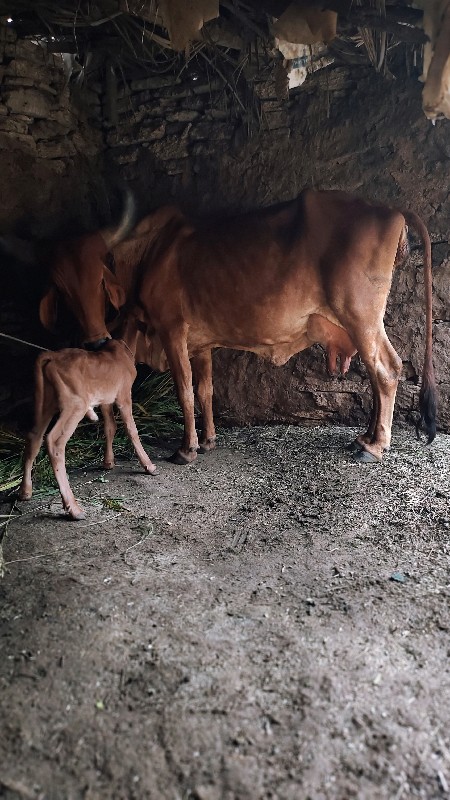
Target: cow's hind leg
(109,427)
(384,367)
(202,376)
(125,409)
(367,437)
(56,446)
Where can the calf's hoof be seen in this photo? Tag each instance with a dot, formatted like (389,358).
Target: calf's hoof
(109,465)
(75,512)
(150,469)
(24,494)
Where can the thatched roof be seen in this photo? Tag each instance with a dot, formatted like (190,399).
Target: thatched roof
(228,40)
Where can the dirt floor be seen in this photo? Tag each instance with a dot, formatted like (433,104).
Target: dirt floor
(270,622)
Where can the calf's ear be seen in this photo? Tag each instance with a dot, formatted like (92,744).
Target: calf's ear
(115,292)
(48,308)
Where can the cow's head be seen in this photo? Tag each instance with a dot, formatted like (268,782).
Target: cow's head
(80,279)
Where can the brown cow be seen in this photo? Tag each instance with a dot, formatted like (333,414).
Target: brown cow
(316,269)
(71,382)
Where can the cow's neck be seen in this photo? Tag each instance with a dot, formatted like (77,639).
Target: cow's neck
(128,334)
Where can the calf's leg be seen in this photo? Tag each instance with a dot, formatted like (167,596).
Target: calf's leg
(32,447)
(56,446)
(125,409)
(109,427)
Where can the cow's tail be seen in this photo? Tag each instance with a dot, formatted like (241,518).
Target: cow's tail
(427,396)
(113,236)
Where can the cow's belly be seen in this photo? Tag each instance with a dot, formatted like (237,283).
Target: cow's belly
(272,339)
(278,354)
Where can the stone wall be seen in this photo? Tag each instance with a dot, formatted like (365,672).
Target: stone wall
(347,128)
(51,183)
(48,147)
(177,141)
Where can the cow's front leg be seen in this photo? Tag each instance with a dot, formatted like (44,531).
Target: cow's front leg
(202,375)
(175,346)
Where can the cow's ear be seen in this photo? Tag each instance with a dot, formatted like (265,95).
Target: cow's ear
(48,308)
(114,290)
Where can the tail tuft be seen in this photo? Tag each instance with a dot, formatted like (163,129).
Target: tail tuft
(427,406)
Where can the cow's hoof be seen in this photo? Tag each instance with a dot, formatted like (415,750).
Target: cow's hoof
(108,465)
(24,494)
(206,447)
(182,458)
(354,447)
(364,457)
(151,469)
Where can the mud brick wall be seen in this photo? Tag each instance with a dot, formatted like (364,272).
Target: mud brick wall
(347,128)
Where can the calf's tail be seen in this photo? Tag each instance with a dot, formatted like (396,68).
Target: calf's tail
(39,394)
(427,395)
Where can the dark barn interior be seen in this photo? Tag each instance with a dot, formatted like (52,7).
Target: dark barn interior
(272,620)
(219,129)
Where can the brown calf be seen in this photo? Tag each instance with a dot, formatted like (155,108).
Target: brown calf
(71,382)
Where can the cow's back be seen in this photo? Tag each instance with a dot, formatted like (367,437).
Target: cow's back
(255,278)
(227,271)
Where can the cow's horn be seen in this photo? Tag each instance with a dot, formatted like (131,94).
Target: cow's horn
(113,236)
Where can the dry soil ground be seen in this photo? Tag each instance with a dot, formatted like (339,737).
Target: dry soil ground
(270,622)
